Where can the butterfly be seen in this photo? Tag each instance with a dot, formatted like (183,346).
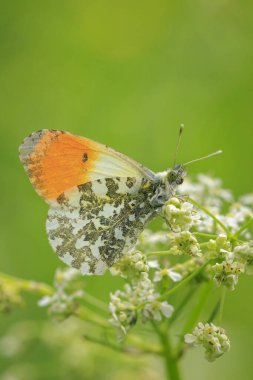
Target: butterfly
(100,200)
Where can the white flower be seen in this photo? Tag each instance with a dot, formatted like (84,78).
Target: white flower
(179,215)
(167,272)
(211,337)
(207,223)
(237,215)
(124,305)
(247,199)
(245,250)
(153,311)
(122,312)
(219,246)
(244,253)
(65,275)
(45,301)
(66,297)
(207,190)
(185,243)
(131,265)
(167,309)
(210,194)
(227,273)
(153,264)
(190,339)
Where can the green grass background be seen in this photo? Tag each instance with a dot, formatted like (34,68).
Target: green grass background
(126,73)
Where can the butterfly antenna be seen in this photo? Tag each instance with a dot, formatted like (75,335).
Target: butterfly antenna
(181,129)
(203,158)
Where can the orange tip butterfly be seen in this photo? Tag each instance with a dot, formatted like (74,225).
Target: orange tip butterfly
(100,200)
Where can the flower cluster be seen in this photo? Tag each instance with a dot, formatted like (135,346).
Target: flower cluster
(179,215)
(234,261)
(131,266)
(244,254)
(216,248)
(185,242)
(207,190)
(211,337)
(227,273)
(220,202)
(138,297)
(205,239)
(67,295)
(193,234)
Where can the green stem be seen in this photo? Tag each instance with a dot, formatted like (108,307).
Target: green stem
(27,285)
(211,215)
(214,312)
(160,253)
(91,317)
(142,344)
(205,244)
(137,346)
(185,281)
(194,315)
(222,302)
(102,342)
(244,227)
(95,302)
(182,305)
(181,284)
(171,361)
(203,234)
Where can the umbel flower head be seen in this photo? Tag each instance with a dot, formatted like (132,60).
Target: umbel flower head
(211,337)
(190,233)
(141,295)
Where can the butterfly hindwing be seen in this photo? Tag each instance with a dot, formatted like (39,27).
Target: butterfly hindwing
(92,225)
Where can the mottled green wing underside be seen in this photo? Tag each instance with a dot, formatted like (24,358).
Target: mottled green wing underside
(92,225)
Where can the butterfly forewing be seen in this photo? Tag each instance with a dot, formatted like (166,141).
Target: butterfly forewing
(92,225)
(57,161)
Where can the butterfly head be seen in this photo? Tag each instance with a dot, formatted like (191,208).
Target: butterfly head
(167,185)
(176,175)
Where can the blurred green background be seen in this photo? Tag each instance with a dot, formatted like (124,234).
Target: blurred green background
(125,73)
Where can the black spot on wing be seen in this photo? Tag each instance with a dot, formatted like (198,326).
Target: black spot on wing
(85,157)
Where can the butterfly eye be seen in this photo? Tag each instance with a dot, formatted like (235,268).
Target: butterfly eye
(172,176)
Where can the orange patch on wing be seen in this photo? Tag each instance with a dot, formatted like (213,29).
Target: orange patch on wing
(60,161)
